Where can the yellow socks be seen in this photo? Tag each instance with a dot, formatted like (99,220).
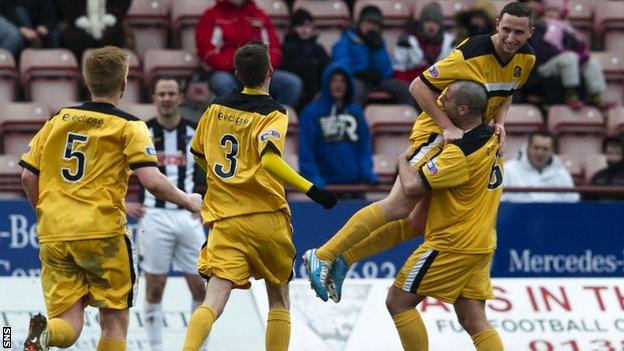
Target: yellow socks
(60,333)
(488,340)
(111,344)
(412,331)
(357,229)
(199,327)
(380,240)
(278,330)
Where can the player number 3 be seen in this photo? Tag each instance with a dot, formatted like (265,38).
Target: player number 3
(230,143)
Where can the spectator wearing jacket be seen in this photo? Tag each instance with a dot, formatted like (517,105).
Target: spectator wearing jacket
(334,140)
(363,50)
(303,56)
(425,43)
(613,174)
(537,166)
(230,24)
(36,20)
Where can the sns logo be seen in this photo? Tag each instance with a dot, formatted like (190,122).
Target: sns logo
(150,151)
(433,70)
(431,166)
(270,134)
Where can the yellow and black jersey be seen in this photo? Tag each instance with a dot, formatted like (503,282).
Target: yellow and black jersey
(465,180)
(83,156)
(476,60)
(231,136)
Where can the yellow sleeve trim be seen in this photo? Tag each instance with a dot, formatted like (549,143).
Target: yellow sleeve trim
(275,165)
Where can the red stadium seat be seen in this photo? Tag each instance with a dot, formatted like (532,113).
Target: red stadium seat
(327,37)
(449,8)
(142,111)
(581,15)
(385,166)
(609,20)
(522,119)
(10,174)
(396,13)
(19,122)
(149,20)
(390,127)
(8,76)
(327,13)
(578,132)
(134,87)
(574,164)
(593,164)
(615,121)
(184,15)
(612,63)
(277,10)
(177,63)
(49,75)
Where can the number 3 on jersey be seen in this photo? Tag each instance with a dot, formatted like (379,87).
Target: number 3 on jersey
(230,144)
(70,153)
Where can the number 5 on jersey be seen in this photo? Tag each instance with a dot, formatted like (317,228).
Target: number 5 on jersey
(230,144)
(79,156)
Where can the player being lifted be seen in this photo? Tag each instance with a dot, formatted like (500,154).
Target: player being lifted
(76,172)
(501,63)
(238,142)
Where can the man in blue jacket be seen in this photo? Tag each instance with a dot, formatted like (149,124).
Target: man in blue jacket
(363,50)
(334,140)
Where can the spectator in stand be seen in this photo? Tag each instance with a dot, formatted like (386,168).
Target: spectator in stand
(334,140)
(614,173)
(363,50)
(36,20)
(537,166)
(230,24)
(197,97)
(304,56)
(92,24)
(425,44)
(480,19)
(10,37)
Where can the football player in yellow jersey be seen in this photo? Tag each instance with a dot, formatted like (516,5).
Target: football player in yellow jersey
(453,264)
(76,172)
(238,142)
(501,63)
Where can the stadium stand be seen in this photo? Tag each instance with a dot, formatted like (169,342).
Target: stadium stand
(19,122)
(609,21)
(385,166)
(10,176)
(177,63)
(149,21)
(522,119)
(593,164)
(278,11)
(49,75)
(612,63)
(8,76)
(574,164)
(577,132)
(292,135)
(142,111)
(449,8)
(330,18)
(390,126)
(184,17)
(581,15)
(615,121)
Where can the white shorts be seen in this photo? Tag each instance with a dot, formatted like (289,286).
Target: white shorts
(166,236)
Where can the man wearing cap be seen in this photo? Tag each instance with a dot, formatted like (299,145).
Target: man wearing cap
(363,50)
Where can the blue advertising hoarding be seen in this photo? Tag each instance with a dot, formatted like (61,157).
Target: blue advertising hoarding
(534,240)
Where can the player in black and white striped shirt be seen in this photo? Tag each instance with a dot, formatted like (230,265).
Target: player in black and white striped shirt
(167,233)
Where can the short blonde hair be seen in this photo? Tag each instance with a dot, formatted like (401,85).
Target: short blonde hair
(105,70)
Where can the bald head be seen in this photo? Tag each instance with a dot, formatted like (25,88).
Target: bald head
(465,102)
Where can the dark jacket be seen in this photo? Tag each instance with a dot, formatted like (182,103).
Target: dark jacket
(41,12)
(352,52)
(612,175)
(307,59)
(335,144)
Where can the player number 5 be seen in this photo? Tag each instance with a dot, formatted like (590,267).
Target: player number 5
(71,153)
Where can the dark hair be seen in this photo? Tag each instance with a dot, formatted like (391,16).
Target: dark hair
(610,141)
(470,94)
(164,77)
(544,134)
(252,63)
(517,9)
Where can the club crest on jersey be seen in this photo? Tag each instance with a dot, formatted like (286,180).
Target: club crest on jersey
(517,71)
(150,151)
(433,70)
(272,133)
(431,166)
